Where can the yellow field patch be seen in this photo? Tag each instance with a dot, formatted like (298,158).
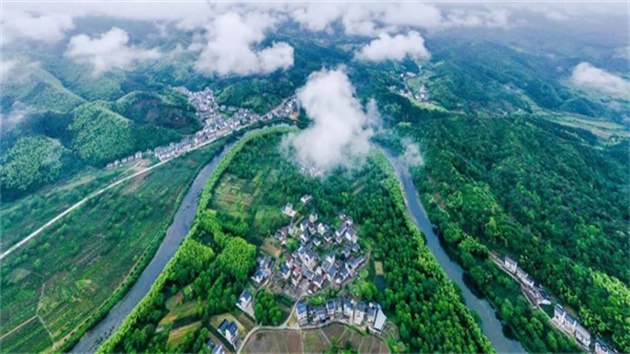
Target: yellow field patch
(378,267)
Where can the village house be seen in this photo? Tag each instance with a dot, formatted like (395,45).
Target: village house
(525,278)
(244,300)
(288,210)
(509,264)
(371,314)
(359,313)
(320,313)
(351,235)
(285,271)
(601,347)
(348,308)
(302,313)
(229,330)
(330,308)
(379,321)
(583,336)
(218,349)
(570,323)
(306,198)
(313,217)
(559,314)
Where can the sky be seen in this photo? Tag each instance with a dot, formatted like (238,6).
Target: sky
(228,35)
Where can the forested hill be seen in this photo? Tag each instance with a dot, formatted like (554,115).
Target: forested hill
(45,110)
(554,198)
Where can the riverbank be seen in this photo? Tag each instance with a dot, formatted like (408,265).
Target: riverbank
(491,326)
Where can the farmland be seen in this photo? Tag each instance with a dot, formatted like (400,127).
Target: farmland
(99,251)
(23,216)
(314,341)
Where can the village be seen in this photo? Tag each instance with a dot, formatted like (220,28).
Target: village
(217,120)
(325,258)
(561,319)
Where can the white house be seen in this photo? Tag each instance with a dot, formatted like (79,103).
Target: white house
(509,264)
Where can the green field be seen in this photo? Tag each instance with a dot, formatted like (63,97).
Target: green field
(99,250)
(21,217)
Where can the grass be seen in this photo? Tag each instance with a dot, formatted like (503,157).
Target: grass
(176,336)
(99,250)
(271,247)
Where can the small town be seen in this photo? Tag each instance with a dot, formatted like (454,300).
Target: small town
(218,121)
(561,319)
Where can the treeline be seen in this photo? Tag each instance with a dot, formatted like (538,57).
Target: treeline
(550,196)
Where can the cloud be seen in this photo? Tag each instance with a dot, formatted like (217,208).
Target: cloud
(397,47)
(412,155)
(229,48)
(18,25)
(109,51)
(586,75)
(6,66)
(340,130)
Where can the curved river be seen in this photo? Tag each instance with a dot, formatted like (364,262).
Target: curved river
(181,226)
(491,326)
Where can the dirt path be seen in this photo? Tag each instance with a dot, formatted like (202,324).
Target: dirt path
(18,327)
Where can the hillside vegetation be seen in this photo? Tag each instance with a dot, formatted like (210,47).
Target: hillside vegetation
(552,197)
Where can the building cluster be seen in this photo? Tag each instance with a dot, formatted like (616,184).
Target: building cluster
(218,121)
(346,310)
(569,324)
(326,257)
(229,330)
(137,156)
(534,293)
(422,94)
(562,319)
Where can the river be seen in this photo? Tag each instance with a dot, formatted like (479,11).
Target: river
(491,326)
(180,227)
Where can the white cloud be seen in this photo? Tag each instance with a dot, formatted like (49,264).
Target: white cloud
(586,75)
(229,48)
(412,155)
(18,25)
(397,47)
(109,51)
(6,66)
(341,129)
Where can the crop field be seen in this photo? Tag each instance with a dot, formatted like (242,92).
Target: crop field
(313,341)
(99,249)
(23,216)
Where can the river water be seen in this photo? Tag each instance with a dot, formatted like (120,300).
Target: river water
(180,227)
(491,326)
